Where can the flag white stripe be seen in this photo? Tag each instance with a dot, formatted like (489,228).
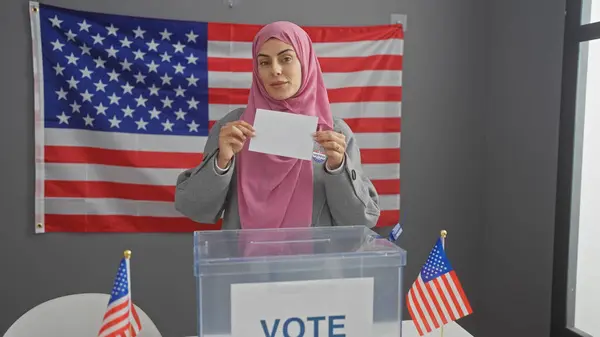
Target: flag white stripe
(108,206)
(456,294)
(374,140)
(359,48)
(438,298)
(424,308)
(227,49)
(124,141)
(447,296)
(389,202)
(218,111)
(144,142)
(418,321)
(164,176)
(367,78)
(381,171)
(116,174)
(341,110)
(432,306)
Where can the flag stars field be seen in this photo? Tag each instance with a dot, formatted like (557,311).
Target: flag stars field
(117,65)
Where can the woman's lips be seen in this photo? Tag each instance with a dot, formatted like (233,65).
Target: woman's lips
(278,84)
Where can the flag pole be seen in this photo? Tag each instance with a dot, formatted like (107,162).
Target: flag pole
(127,255)
(443,234)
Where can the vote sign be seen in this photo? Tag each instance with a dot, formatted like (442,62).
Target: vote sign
(320,308)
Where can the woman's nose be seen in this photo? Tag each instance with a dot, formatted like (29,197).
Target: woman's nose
(276,69)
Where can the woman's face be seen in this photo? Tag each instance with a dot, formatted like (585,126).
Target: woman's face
(279,69)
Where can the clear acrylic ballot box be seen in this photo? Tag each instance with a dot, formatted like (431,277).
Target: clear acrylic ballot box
(298,282)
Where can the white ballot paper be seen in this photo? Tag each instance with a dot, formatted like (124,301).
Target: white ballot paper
(283,134)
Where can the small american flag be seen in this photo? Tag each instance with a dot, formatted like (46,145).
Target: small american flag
(436,297)
(124,104)
(121,319)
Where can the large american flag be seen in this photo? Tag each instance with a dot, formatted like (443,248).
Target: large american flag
(121,318)
(436,297)
(124,104)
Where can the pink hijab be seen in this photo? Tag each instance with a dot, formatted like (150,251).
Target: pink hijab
(275,191)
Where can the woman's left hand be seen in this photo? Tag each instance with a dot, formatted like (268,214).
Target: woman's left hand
(334,144)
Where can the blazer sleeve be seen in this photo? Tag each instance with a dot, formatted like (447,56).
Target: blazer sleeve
(201,192)
(351,196)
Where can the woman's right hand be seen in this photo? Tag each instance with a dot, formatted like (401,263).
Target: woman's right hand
(232,137)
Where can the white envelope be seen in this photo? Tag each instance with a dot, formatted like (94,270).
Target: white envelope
(284,134)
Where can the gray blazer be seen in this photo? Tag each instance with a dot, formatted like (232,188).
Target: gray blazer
(346,197)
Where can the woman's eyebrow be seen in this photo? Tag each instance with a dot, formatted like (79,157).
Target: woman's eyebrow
(281,52)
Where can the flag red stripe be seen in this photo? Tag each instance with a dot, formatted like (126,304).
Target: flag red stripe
(245,33)
(444,299)
(236,65)
(328,64)
(420,310)
(366,124)
(239,96)
(227,96)
(211,123)
(361,63)
(383,124)
(365,94)
(455,302)
(461,292)
(380,156)
(148,159)
(430,313)
(388,218)
(145,224)
(122,223)
(412,314)
(386,186)
(181,160)
(105,189)
(136,317)
(165,193)
(429,289)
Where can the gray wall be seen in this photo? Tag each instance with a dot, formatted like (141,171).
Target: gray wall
(480,113)
(521,136)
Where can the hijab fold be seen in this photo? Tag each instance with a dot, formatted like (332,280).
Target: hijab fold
(276,191)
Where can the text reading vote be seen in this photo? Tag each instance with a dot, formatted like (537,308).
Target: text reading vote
(304,327)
